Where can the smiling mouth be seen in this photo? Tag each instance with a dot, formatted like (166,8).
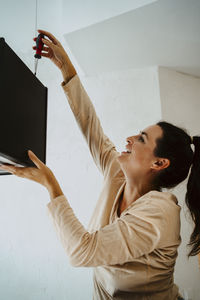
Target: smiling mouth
(127,152)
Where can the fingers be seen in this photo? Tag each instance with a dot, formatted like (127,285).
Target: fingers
(23,172)
(19,170)
(41,174)
(35,159)
(45,55)
(47,42)
(12,169)
(46,49)
(51,46)
(50,36)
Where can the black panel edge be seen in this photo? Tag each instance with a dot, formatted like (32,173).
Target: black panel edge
(2,44)
(2,40)
(5,173)
(46,126)
(28,163)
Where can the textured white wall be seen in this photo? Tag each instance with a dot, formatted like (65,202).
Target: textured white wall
(180,102)
(128,101)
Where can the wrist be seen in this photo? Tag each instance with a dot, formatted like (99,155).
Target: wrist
(54,189)
(68,72)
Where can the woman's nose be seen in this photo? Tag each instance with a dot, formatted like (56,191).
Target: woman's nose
(130,140)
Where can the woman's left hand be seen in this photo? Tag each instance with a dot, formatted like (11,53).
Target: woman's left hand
(42,174)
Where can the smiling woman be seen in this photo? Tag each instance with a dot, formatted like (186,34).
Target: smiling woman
(134,232)
(141,162)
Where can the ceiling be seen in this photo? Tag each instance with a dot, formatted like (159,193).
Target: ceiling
(18,19)
(76,15)
(164,33)
(109,35)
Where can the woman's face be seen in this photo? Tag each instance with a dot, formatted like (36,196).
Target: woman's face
(139,158)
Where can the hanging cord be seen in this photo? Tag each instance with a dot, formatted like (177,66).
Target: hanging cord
(36,11)
(39,43)
(35,60)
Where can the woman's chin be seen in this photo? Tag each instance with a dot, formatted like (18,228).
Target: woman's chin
(121,158)
(122,155)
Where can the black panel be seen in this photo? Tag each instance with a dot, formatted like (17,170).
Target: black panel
(23,110)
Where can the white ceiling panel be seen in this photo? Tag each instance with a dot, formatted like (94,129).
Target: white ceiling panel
(78,14)
(165,33)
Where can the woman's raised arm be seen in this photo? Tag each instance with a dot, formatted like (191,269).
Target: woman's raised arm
(101,148)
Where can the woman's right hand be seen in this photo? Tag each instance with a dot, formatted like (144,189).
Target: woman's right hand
(54,50)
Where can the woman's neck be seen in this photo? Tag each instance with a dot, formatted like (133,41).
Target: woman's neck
(132,192)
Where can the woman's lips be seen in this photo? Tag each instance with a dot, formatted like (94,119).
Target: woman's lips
(126,152)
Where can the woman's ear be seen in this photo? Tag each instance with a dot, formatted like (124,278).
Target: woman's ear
(160,163)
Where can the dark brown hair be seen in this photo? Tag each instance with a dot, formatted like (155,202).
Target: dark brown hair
(175,144)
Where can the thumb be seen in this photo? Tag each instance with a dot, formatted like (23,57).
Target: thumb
(35,159)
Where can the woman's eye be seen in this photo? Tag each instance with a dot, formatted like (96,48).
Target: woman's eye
(141,138)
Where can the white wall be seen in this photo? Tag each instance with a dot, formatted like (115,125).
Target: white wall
(180,102)
(126,98)
(32,261)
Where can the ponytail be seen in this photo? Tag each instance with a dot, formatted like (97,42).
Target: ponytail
(175,144)
(192,198)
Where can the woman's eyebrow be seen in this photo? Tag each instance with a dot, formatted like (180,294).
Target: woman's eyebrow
(143,132)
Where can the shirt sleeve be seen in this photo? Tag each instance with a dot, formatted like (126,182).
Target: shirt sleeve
(101,148)
(129,237)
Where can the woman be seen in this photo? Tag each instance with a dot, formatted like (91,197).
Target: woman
(134,232)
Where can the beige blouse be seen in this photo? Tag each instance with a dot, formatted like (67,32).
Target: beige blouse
(133,255)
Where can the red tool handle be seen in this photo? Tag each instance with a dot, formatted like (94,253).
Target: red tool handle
(39,45)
